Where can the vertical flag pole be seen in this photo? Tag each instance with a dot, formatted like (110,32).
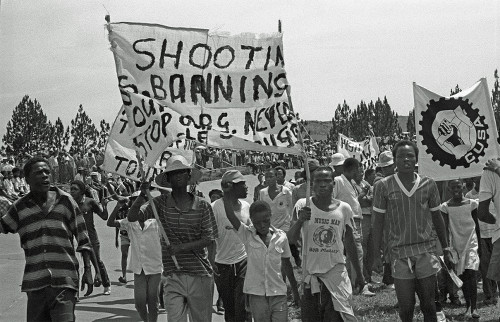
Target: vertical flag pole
(155,211)
(308,176)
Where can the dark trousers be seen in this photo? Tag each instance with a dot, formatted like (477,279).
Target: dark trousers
(447,288)
(318,307)
(469,288)
(104,274)
(489,287)
(51,304)
(231,279)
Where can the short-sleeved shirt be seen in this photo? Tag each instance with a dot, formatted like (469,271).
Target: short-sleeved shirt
(281,207)
(407,214)
(490,188)
(47,240)
(323,235)
(344,190)
(183,227)
(487,230)
(145,246)
(263,275)
(230,249)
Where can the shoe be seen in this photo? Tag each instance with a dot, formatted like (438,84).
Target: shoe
(122,279)
(107,291)
(475,315)
(366,291)
(390,286)
(440,316)
(220,307)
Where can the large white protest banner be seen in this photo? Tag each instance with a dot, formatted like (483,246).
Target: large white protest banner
(365,151)
(221,90)
(456,134)
(120,156)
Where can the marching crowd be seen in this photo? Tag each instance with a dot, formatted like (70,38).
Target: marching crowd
(424,237)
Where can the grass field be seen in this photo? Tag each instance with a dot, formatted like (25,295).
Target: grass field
(383,306)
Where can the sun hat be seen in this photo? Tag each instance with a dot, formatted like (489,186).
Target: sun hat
(337,159)
(233,176)
(385,159)
(174,163)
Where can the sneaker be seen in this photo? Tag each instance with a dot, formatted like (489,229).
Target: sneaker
(440,316)
(107,291)
(122,279)
(390,286)
(474,314)
(366,291)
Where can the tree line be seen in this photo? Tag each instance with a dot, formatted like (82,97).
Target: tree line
(29,132)
(367,119)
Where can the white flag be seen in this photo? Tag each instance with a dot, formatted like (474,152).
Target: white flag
(456,134)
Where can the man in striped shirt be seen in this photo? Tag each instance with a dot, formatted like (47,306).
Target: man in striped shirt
(408,205)
(47,219)
(190,226)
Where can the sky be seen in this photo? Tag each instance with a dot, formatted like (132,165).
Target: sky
(58,52)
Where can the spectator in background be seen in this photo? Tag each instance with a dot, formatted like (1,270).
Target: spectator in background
(54,166)
(337,164)
(280,177)
(262,184)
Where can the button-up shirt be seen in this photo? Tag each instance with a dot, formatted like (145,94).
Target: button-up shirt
(145,246)
(47,240)
(263,276)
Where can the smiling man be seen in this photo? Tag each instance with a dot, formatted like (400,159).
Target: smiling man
(47,219)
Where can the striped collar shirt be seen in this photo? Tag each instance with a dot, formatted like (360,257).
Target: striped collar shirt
(408,214)
(47,240)
(197,223)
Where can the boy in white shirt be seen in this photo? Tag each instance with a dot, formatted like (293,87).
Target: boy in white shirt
(267,252)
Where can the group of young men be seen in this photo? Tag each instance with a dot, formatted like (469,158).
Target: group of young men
(247,248)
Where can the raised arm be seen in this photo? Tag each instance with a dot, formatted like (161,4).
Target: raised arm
(231,215)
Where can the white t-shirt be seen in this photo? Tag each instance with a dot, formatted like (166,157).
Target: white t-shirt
(490,188)
(323,235)
(230,248)
(344,190)
(281,207)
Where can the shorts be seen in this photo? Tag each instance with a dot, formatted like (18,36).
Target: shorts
(124,240)
(494,268)
(418,266)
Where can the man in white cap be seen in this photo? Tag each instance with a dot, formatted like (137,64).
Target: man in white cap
(231,257)
(190,226)
(386,166)
(337,164)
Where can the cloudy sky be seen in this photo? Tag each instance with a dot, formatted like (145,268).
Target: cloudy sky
(57,51)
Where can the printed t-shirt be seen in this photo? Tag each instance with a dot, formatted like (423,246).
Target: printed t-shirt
(323,235)
(230,249)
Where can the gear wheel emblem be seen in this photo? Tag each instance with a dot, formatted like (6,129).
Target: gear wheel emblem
(454,132)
